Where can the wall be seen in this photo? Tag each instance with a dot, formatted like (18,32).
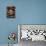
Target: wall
(27,12)
(31,11)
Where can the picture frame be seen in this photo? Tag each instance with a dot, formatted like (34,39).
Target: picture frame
(11,12)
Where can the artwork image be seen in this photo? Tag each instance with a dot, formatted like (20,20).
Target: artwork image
(33,32)
(12,38)
(11,11)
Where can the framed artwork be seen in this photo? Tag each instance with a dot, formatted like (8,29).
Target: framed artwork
(11,11)
(32,32)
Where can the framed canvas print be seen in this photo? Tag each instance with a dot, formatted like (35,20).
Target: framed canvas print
(32,32)
(11,11)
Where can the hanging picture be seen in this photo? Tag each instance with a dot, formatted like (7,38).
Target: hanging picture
(11,12)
